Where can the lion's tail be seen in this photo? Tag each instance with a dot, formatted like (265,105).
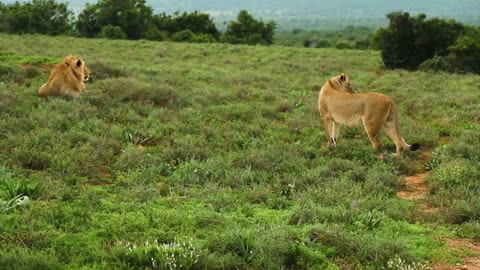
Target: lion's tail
(392,128)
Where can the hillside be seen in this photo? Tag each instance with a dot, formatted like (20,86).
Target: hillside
(214,153)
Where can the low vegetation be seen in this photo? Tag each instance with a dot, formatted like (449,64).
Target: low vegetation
(212,156)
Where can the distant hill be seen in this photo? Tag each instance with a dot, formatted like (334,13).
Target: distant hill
(314,13)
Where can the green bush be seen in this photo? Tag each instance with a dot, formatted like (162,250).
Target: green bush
(183,36)
(112,32)
(153,33)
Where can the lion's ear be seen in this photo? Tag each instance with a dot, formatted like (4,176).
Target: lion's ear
(79,63)
(343,77)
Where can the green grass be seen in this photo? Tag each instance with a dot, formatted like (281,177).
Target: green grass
(222,145)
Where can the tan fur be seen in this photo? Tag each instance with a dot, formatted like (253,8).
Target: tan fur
(66,79)
(338,105)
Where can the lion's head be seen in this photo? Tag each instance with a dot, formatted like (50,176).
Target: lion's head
(343,83)
(79,67)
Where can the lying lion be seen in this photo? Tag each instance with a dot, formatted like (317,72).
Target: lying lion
(340,105)
(66,79)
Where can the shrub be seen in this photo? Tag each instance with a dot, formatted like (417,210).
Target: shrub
(204,38)
(307,43)
(153,33)
(112,32)
(183,36)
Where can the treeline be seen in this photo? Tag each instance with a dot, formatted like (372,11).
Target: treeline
(434,44)
(129,19)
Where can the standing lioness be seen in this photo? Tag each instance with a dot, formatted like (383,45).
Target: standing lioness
(340,105)
(66,79)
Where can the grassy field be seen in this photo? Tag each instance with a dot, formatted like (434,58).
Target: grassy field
(212,156)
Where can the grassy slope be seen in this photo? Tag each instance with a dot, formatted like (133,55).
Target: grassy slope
(223,144)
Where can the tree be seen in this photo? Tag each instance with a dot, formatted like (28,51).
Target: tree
(434,36)
(88,23)
(398,41)
(134,17)
(409,41)
(247,30)
(39,16)
(197,23)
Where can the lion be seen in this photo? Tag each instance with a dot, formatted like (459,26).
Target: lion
(66,79)
(338,105)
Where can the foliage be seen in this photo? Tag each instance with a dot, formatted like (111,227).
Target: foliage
(153,33)
(16,188)
(112,32)
(434,44)
(132,16)
(136,19)
(196,22)
(18,201)
(23,259)
(245,244)
(183,36)
(248,30)
(38,16)
(463,56)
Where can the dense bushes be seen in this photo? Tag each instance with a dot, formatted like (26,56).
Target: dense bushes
(128,19)
(39,16)
(435,44)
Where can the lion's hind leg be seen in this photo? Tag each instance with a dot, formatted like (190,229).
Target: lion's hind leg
(373,132)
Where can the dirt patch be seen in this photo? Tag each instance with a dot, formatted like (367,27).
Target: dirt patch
(414,187)
(470,262)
